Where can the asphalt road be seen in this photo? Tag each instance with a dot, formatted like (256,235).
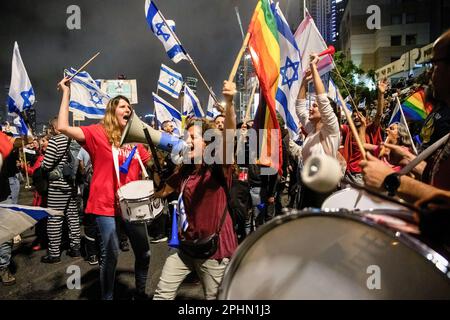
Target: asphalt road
(37,281)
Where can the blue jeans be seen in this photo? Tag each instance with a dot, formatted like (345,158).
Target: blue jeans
(14,185)
(109,248)
(5,254)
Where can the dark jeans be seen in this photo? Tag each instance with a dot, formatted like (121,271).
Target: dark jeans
(109,244)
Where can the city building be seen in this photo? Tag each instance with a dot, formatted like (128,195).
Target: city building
(325,15)
(245,79)
(191,82)
(404,26)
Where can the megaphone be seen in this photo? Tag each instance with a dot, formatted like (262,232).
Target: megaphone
(331,50)
(174,242)
(321,173)
(134,133)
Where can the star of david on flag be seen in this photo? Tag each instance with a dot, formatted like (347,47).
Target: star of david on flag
(170,81)
(21,94)
(160,28)
(284,72)
(86,97)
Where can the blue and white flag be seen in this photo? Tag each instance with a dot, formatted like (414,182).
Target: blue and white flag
(86,97)
(20,124)
(170,81)
(183,223)
(15,219)
(166,112)
(191,104)
(21,94)
(155,20)
(399,117)
(333,91)
(290,73)
(362,104)
(211,111)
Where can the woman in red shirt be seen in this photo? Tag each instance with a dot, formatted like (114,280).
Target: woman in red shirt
(99,140)
(204,200)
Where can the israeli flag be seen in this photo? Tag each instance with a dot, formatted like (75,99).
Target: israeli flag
(362,104)
(20,124)
(191,104)
(86,97)
(211,111)
(290,73)
(155,20)
(183,223)
(164,112)
(21,94)
(333,91)
(170,81)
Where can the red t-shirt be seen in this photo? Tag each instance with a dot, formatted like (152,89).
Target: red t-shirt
(351,151)
(104,185)
(204,202)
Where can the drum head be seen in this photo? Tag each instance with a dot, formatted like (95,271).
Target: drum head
(332,256)
(137,189)
(352,199)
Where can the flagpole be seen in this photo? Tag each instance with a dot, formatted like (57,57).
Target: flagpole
(250,102)
(189,57)
(353,128)
(27,185)
(406,125)
(239,57)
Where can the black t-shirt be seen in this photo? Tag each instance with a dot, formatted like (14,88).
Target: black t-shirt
(5,191)
(436,125)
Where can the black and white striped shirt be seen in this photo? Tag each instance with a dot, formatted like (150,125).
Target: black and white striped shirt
(57,145)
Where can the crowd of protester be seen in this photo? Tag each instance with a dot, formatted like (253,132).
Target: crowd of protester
(87,193)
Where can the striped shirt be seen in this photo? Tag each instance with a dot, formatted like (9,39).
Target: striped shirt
(55,149)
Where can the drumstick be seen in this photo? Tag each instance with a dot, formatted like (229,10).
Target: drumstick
(83,66)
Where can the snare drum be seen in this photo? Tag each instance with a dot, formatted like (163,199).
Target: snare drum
(318,255)
(136,204)
(352,199)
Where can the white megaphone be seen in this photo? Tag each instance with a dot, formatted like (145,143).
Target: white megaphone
(134,133)
(321,173)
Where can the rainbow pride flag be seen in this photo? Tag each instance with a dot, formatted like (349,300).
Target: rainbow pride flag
(265,52)
(415,108)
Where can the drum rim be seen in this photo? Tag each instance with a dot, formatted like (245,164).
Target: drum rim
(414,244)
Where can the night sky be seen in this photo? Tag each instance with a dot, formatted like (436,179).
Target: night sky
(208,29)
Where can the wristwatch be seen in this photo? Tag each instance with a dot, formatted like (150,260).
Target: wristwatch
(392,183)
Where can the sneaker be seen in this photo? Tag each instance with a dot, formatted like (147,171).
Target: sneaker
(159,239)
(124,246)
(6,277)
(74,252)
(92,260)
(50,259)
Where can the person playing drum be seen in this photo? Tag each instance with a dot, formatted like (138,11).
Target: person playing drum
(100,140)
(205,201)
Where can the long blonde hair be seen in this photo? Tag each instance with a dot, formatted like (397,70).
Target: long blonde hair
(110,122)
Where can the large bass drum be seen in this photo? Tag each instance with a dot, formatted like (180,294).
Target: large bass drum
(319,255)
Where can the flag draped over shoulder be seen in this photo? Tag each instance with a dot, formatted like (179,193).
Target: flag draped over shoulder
(191,104)
(415,108)
(290,73)
(166,112)
(86,97)
(21,94)
(265,52)
(170,81)
(155,20)
(309,40)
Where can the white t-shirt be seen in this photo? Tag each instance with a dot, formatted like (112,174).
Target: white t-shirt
(326,140)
